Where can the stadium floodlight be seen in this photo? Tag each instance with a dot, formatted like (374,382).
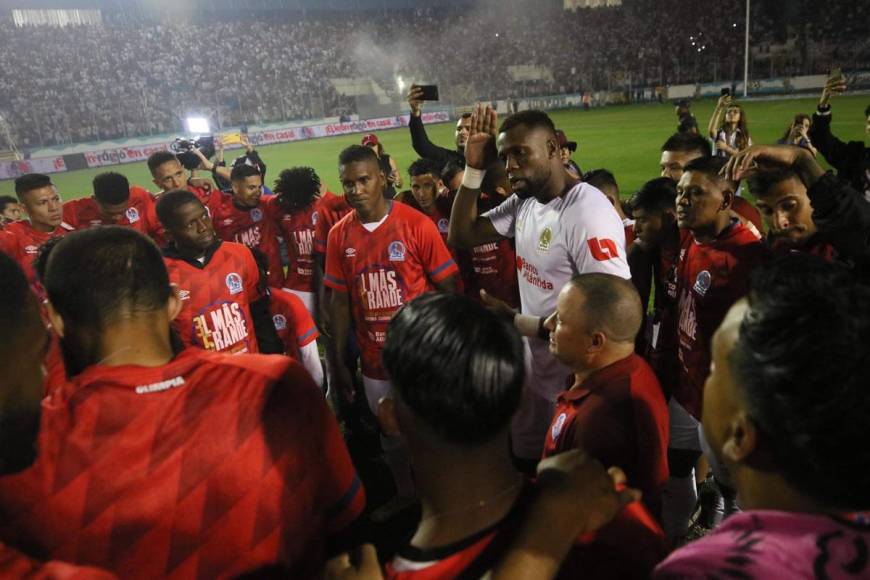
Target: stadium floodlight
(400,83)
(197,125)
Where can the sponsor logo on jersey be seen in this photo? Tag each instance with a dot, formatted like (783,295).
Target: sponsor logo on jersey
(250,237)
(688,321)
(31,249)
(486,248)
(221,328)
(703,282)
(161,386)
(234,283)
(227,222)
(558,425)
(184,294)
(132,215)
(443,225)
(544,240)
(603,249)
(304,240)
(530,274)
(380,290)
(397,251)
(256,214)
(280,322)
(350,253)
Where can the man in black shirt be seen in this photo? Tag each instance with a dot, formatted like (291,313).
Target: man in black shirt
(420,141)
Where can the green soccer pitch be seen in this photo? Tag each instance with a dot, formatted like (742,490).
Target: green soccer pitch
(623,139)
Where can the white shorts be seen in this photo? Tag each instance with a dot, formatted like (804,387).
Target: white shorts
(684,428)
(376,389)
(530,424)
(307,299)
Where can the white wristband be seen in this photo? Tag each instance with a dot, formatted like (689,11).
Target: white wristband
(473,178)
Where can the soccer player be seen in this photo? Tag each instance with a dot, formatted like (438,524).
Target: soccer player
(293,323)
(562,228)
(245,218)
(605,181)
(10,210)
(458,376)
(717,253)
(680,149)
(615,410)
(23,347)
(784,406)
(295,210)
(21,240)
(379,257)
(115,203)
(156,463)
(168,173)
(224,308)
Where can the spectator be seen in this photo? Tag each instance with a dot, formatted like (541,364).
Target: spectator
(10,210)
(606,183)
(728,128)
(797,133)
(420,141)
(567,149)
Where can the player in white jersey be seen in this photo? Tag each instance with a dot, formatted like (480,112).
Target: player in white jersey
(562,228)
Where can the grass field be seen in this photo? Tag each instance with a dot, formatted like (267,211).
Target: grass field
(624,139)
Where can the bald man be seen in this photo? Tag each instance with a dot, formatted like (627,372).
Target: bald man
(615,409)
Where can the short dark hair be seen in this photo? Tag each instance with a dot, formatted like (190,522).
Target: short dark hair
(355,154)
(451,168)
(600,177)
(29,182)
(685,125)
(709,166)
(14,291)
(169,202)
(6,200)
(659,194)
(457,366)
(111,188)
(760,183)
(158,158)
(243,171)
(804,373)
(611,305)
(531,118)
(465,116)
(97,275)
(688,142)
(423,167)
(297,187)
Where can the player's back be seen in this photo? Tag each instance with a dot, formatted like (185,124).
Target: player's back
(202,467)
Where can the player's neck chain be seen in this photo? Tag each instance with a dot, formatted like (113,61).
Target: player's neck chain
(114,354)
(480,504)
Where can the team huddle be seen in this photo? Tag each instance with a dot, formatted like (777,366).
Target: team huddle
(512,325)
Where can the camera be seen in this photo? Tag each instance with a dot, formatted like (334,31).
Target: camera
(183,149)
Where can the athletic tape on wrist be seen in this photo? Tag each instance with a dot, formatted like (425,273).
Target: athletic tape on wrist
(473,178)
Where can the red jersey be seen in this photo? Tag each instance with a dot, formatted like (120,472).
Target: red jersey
(14,564)
(21,242)
(297,229)
(215,298)
(629,547)
(382,270)
(141,214)
(710,279)
(330,209)
(628,228)
(251,227)
(620,417)
(199,468)
(292,321)
(750,213)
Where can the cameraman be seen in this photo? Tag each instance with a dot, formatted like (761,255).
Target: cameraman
(221,172)
(420,141)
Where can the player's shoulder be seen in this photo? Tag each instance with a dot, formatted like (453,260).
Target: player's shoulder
(267,366)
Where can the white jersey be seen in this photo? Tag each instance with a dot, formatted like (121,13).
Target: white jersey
(577,233)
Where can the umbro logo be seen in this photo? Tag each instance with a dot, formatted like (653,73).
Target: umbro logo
(350,253)
(184,294)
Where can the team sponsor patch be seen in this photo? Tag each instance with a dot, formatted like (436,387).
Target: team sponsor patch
(256,214)
(544,240)
(132,215)
(161,386)
(234,283)
(703,282)
(443,225)
(397,251)
(558,425)
(280,322)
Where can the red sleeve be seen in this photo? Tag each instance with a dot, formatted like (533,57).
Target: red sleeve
(434,255)
(9,244)
(71,212)
(334,276)
(14,564)
(153,227)
(323,225)
(305,330)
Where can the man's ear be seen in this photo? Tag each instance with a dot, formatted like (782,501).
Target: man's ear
(553,149)
(727,199)
(742,439)
(54,318)
(387,417)
(599,341)
(174,303)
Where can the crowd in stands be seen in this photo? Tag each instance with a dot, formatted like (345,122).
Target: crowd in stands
(127,78)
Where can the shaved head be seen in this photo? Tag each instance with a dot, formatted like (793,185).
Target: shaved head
(611,305)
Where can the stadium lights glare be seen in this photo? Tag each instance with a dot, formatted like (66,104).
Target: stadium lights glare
(401,84)
(197,125)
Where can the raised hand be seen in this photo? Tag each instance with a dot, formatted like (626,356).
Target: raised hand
(415,100)
(480,150)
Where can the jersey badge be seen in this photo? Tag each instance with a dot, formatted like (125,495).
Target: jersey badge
(558,424)
(256,214)
(314,218)
(603,249)
(280,322)
(703,282)
(132,214)
(397,251)
(443,225)
(544,240)
(234,283)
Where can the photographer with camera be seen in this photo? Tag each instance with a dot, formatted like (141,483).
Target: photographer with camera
(219,170)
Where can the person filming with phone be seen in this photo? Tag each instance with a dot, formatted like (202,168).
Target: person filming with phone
(420,141)
(728,127)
